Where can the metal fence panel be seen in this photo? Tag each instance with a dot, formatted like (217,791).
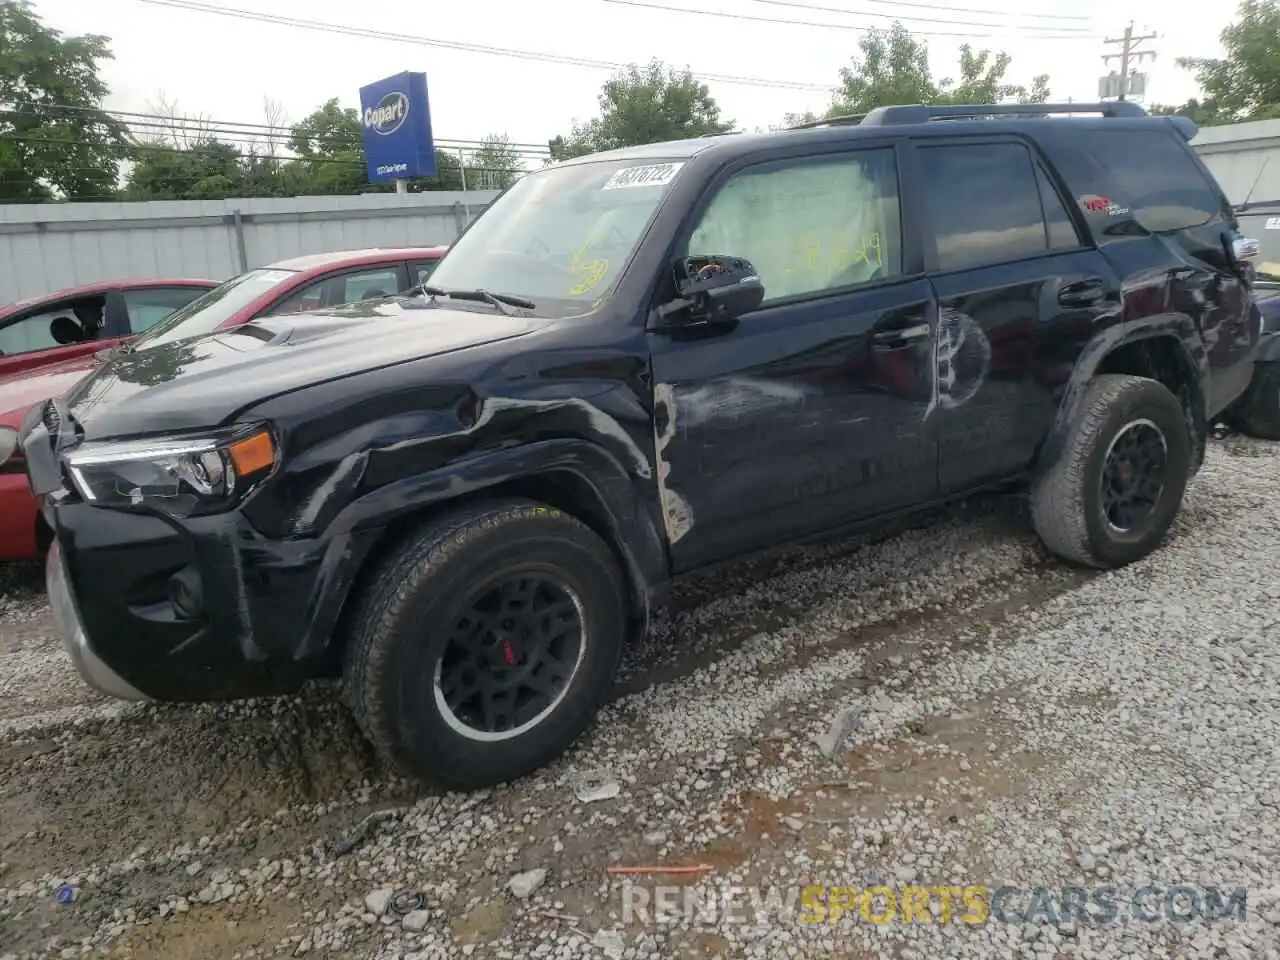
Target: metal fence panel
(46,247)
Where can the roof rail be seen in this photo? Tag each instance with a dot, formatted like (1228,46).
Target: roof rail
(919,113)
(850,118)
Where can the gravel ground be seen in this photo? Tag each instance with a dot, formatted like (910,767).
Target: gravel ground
(1008,721)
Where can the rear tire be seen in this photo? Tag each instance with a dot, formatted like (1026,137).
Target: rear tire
(1258,414)
(1118,484)
(467,624)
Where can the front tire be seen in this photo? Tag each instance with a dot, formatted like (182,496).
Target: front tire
(1118,484)
(1259,411)
(485,644)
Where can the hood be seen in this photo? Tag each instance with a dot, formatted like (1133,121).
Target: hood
(21,390)
(202,382)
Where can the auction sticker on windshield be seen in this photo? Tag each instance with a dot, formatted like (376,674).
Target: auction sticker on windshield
(651,175)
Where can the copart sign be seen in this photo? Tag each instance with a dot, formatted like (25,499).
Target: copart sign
(396,118)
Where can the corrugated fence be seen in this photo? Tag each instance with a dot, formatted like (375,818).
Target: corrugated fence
(45,247)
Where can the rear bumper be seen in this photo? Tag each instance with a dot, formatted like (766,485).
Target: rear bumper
(66,618)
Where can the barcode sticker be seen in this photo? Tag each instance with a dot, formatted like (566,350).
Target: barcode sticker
(652,175)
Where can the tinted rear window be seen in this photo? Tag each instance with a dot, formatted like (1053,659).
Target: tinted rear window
(984,203)
(1162,184)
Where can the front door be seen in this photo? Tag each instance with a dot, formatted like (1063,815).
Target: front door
(812,410)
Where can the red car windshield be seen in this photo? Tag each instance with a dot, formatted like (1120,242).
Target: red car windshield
(206,313)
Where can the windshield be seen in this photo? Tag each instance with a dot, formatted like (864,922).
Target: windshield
(206,313)
(559,237)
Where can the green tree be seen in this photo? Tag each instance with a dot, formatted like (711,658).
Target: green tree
(55,138)
(496,164)
(207,170)
(329,145)
(893,68)
(644,105)
(1245,84)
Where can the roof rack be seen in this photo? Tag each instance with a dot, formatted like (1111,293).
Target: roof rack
(850,118)
(919,113)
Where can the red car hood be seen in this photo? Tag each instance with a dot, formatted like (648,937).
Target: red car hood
(20,391)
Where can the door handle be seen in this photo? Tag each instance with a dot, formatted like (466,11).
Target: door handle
(902,335)
(1082,293)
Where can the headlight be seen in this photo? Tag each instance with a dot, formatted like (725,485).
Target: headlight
(8,444)
(181,477)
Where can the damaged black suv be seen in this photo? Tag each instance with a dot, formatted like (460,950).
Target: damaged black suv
(464,500)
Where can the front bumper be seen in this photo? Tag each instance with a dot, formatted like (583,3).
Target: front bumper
(205,608)
(66,618)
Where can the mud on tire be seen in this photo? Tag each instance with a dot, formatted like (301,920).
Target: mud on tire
(1130,434)
(466,624)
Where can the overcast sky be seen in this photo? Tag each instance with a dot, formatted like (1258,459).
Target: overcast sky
(223,67)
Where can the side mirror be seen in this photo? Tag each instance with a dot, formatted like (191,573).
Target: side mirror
(1241,253)
(713,289)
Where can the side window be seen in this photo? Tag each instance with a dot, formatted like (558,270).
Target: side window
(808,226)
(984,203)
(420,272)
(369,285)
(72,322)
(147,306)
(1162,184)
(1062,232)
(309,297)
(28,334)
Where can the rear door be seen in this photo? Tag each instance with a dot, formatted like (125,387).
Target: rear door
(1010,272)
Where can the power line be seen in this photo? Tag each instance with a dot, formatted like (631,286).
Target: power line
(235,13)
(920,6)
(283,131)
(1063,34)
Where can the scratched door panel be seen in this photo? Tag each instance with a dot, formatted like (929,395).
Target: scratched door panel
(796,420)
(1003,251)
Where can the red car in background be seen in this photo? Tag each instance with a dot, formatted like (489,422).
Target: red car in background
(82,320)
(303,283)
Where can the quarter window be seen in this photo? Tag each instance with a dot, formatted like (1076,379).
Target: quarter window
(808,226)
(984,203)
(1162,184)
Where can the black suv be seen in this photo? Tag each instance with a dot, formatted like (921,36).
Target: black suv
(630,366)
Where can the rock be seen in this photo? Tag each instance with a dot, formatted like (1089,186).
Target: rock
(610,942)
(377,902)
(522,885)
(905,873)
(793,823)
(845,722)
(417,921)
(593,788)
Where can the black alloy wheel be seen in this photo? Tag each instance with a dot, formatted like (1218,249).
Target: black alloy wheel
(510,657)
(1133,476)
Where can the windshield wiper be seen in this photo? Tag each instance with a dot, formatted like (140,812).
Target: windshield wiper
(499,300)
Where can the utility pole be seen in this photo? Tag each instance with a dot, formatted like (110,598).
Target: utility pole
(1128,51)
